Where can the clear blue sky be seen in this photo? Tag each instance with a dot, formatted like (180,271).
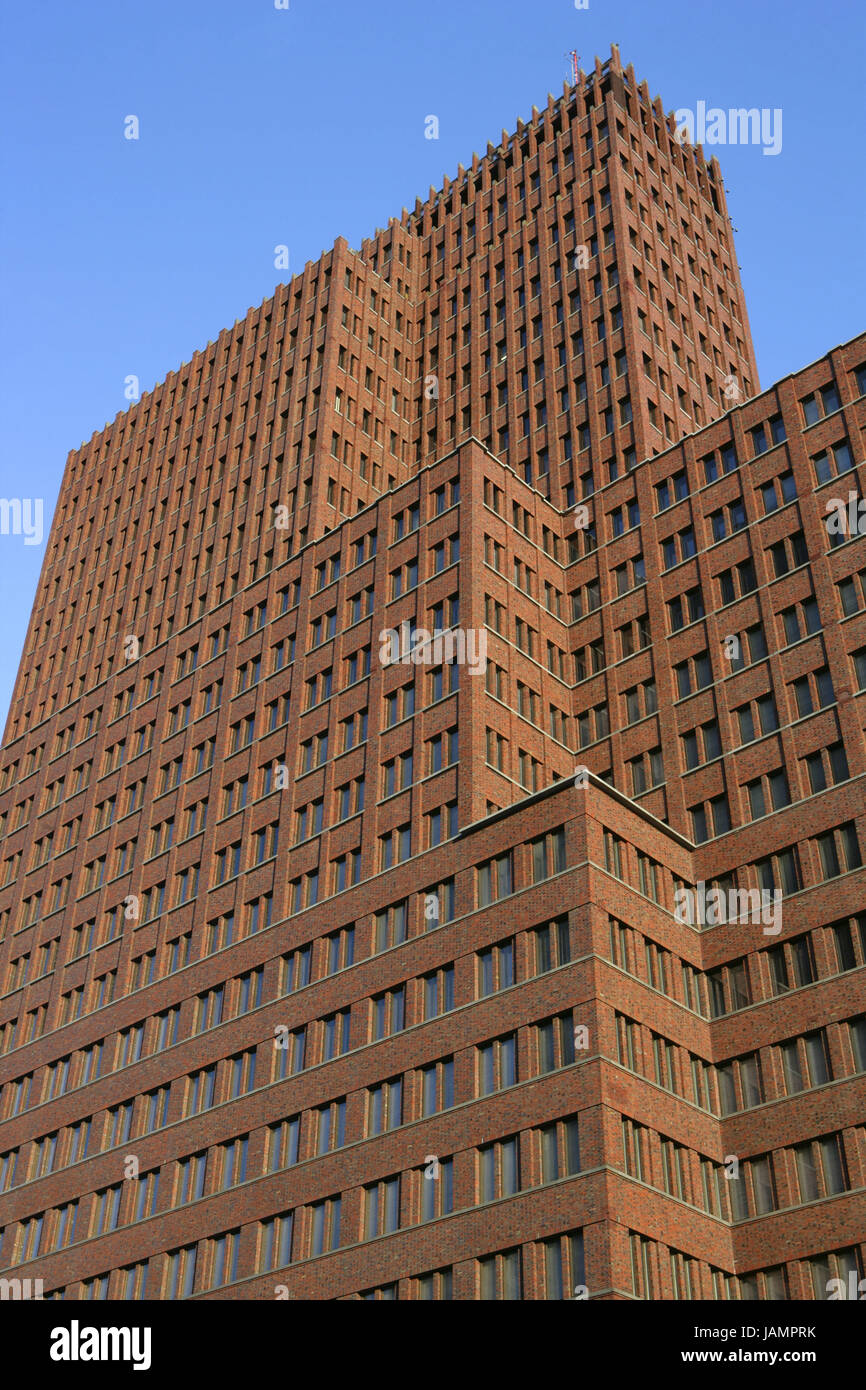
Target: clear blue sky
(261,126)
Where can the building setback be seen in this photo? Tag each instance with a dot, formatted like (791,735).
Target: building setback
(433,792)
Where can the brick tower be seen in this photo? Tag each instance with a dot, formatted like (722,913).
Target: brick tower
(521,956)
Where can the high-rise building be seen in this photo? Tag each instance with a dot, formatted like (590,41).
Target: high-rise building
(433,793)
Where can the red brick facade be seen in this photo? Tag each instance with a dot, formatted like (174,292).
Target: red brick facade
(329,977)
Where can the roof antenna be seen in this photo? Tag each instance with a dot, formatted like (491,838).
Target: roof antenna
(575,59)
